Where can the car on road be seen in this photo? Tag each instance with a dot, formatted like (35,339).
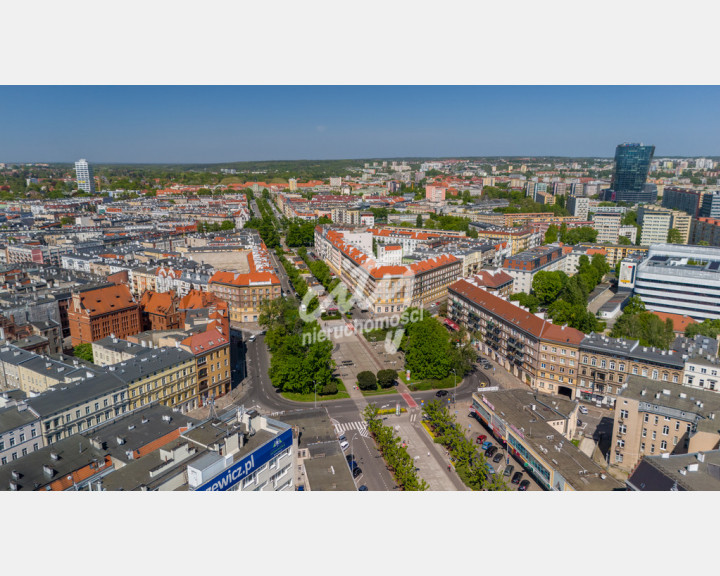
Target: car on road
(486,445)
(498,457)
(508,471)
(356,472)
(487,366)
(490,452)
(480,439)
(517,477)
(363,488)
(441,393)
(252,338)
(524,485)
(344,444)
(582,410)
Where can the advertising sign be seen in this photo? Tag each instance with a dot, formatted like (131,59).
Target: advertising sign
(247,465)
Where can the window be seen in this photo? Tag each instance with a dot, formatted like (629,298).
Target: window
(645,372)
(622,429)
(24,451)
(663,445)
(3,461)
(623,413)
(12,441)
(675,378)
(618,457)
(22,437)
(644,433)
(665,430)
(642,446)
(675,440)
(657,418)
(602,363)
(647,418)
(2,445)
(33,433)
(654,434)
(621,443)
(677,425)
(593,362)
(652,448)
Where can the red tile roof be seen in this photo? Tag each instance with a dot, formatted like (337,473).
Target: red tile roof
(108,299)
(515,315)
(205,341)
(680,321)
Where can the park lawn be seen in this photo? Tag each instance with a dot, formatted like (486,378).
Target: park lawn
(429,383)
(381,391)
(297,397)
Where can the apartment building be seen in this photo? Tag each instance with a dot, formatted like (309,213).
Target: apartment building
(653,418)
(518,239)
(689,201)
(657,222)
(705,230)
(607,363)
(523,266)
(166,375)
(159,310)
(578,206)
(97,313)
(211,350)
(676,473)
(19,433)
(245,293)
(533,349)
(607,226)
(79,406)
(701,373)
(112,350)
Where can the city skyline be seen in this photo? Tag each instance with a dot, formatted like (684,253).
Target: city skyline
(216,124)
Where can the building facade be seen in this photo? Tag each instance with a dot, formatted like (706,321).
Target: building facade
(632,164)
(84,176)
(96,314)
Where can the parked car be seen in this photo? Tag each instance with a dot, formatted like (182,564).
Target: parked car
(508,471)
(524,485)
(582,410)
(356,472)
(490,452)
(344,444)
(579,422)
(480,439)
(486,445)
(363,488)
(498,457)
(487,366)
(350,458)
(342,438)
(441,393)
(517,477)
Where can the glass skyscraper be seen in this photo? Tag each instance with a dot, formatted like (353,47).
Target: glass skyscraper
(632,164)
(84,176)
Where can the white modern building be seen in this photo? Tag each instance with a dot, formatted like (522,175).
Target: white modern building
(84,176)
(681,280)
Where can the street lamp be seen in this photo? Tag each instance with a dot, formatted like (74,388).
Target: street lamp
(455,387)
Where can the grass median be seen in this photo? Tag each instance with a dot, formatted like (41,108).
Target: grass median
(297,397)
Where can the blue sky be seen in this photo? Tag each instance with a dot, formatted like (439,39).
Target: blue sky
(237,123)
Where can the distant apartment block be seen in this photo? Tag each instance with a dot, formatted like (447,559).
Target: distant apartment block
(578,206)
(84,176)
(689,201)
(435,193)
(523,267)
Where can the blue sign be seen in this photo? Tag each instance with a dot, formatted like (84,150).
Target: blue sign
(243,468)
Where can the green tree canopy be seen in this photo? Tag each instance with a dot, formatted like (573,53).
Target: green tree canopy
(547,285)
(675,237)
(428,352)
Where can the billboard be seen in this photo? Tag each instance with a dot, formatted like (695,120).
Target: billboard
(247,465)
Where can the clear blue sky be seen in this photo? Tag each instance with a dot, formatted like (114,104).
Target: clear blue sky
(236,123)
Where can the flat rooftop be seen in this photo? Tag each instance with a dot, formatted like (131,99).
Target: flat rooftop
(681,472)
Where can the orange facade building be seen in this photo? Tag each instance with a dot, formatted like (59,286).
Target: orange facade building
(95,314)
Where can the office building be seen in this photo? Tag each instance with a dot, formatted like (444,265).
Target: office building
(632,163)
(710,207)
(681,280)
(84,176)
(653,418)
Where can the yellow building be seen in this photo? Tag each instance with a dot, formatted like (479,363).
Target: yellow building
(167,376)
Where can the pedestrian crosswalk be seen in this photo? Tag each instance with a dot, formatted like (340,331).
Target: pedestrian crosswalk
(341,428)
